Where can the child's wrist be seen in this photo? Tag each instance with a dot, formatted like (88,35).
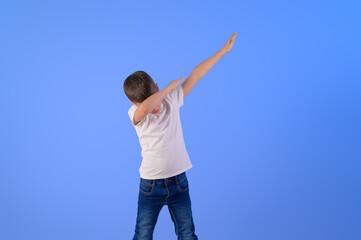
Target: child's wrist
(222,51)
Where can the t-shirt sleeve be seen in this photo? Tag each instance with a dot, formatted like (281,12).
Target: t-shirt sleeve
(131,114)
(177,95)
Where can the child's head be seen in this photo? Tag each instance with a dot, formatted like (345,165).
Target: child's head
(139,86)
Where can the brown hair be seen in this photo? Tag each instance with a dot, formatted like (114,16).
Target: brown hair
(139,86)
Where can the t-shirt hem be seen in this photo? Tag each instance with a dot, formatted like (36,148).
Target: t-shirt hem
(169,175)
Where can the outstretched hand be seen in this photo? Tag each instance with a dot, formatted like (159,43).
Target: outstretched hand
(228,45)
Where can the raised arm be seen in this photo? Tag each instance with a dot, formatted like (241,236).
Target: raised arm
(201,69)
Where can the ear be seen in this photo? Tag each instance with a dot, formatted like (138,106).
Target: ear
(157,86)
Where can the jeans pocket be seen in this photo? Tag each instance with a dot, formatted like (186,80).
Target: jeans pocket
(183,185)
(145,187)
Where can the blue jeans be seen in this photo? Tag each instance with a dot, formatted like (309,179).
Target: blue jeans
(153,194)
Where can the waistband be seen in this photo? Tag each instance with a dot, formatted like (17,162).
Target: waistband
(177,179)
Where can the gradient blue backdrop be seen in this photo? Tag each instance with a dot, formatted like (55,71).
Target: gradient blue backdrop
(273,129)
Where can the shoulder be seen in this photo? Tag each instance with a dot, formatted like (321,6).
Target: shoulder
(131,112)
(176,95)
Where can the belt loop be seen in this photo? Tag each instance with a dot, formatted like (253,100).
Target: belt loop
(177,179)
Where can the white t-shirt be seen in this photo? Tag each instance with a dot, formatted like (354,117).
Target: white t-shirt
(161,138)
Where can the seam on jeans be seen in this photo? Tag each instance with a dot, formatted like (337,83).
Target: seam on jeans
(183,190)
(178,185)
(175,221)
(165,184)
(180,176)
(147,193)
(146,182)
(182,180)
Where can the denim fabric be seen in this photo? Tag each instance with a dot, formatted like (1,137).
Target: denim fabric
(153,195)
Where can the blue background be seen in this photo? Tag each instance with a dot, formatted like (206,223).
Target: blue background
(273,129)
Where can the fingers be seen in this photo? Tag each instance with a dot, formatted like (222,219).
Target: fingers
(233,35)
(231,39)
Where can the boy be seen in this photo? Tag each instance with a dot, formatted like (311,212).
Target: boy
(163,180)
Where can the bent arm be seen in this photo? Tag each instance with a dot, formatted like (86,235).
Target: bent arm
(149,104)
(154,100)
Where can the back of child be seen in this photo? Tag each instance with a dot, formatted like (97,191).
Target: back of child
(163,179)
(161,138)
(155,117)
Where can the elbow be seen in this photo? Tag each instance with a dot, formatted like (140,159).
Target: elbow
(197,73)
(143,108)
